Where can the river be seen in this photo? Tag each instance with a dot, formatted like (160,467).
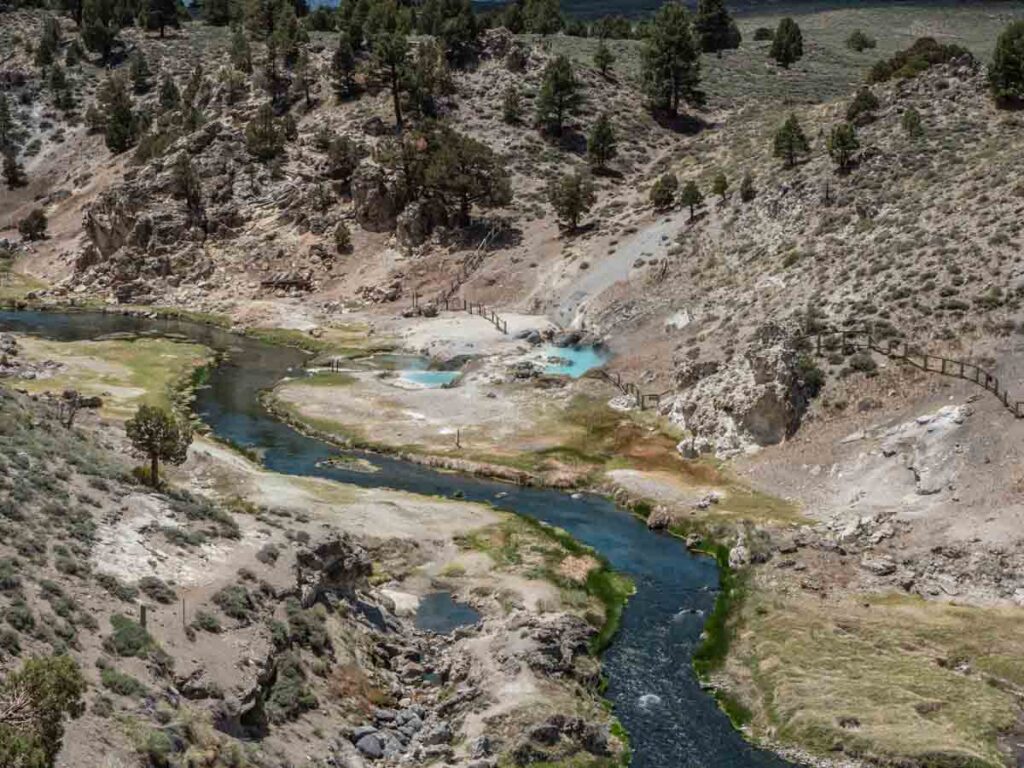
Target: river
(672,722)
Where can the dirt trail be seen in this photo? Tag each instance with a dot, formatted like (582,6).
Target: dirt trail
(581,288)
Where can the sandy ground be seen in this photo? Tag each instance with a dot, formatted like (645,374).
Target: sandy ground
(451,334)
(485,415)
(375,512)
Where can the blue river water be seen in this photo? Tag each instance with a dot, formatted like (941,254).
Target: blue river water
(672,722)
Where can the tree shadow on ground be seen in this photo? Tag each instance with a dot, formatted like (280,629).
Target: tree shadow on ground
(684,123)
(495,233)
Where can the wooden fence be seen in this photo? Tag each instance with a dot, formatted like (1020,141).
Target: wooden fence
(447,298)
(642,400)
(902,351)
(896,349)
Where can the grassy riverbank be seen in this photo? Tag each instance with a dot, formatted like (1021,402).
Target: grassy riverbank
(125,373)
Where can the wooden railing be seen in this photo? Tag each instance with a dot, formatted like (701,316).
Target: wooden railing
(642,400)
(447,298)
(903,351)
(896,349)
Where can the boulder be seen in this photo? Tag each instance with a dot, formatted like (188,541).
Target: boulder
(376,197)
(758,399)
(418,220)
(371,746)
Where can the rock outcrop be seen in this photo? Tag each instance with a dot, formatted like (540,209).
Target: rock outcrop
(758,399)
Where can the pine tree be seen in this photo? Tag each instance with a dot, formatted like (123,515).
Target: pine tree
(790,142)
(560,95)
(304,75)
(116,106)
(1006,73)
(911,122)
(74,54)
(192,98)
(57,82)
(715,28)
(862,106)
(169,98)
(603,58)
(543,17)
(74,9)
(100,26)
(241,55)
(463,172)
(140,74)
(35,701)
(156,434)
(162,13)
(720,185)
(841,144)
(571,197)
(33,226)
(454,24)
(663,191)
(343,68)
(289,35)
(747,190)
(429,78)
(8,128)
(49,40)
(512,105)
(187,187)
(788,43)
(601,145)
(263,135)
(390,57)
(691,196)
(261,18)
(670,60)
(217,13)
(14,174)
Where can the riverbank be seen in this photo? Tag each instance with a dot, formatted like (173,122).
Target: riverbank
(569,592)
(746,626)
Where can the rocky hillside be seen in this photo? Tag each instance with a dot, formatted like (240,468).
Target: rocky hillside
(208,628)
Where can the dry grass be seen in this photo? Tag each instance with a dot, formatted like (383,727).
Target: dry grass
(883,677)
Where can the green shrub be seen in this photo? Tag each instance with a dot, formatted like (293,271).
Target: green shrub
(810,374)
(206,622)
(117,588)
(307,627)
(236,602)
(128,638)
(858,41)
(157,748)
(122,684)
(924,53)
(156,589)
(9,578)
(19,615)
(290,696)
(863,104)
(863,362)
(103,706)
(9,642)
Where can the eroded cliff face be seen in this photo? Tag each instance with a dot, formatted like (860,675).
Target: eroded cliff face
(756,399)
